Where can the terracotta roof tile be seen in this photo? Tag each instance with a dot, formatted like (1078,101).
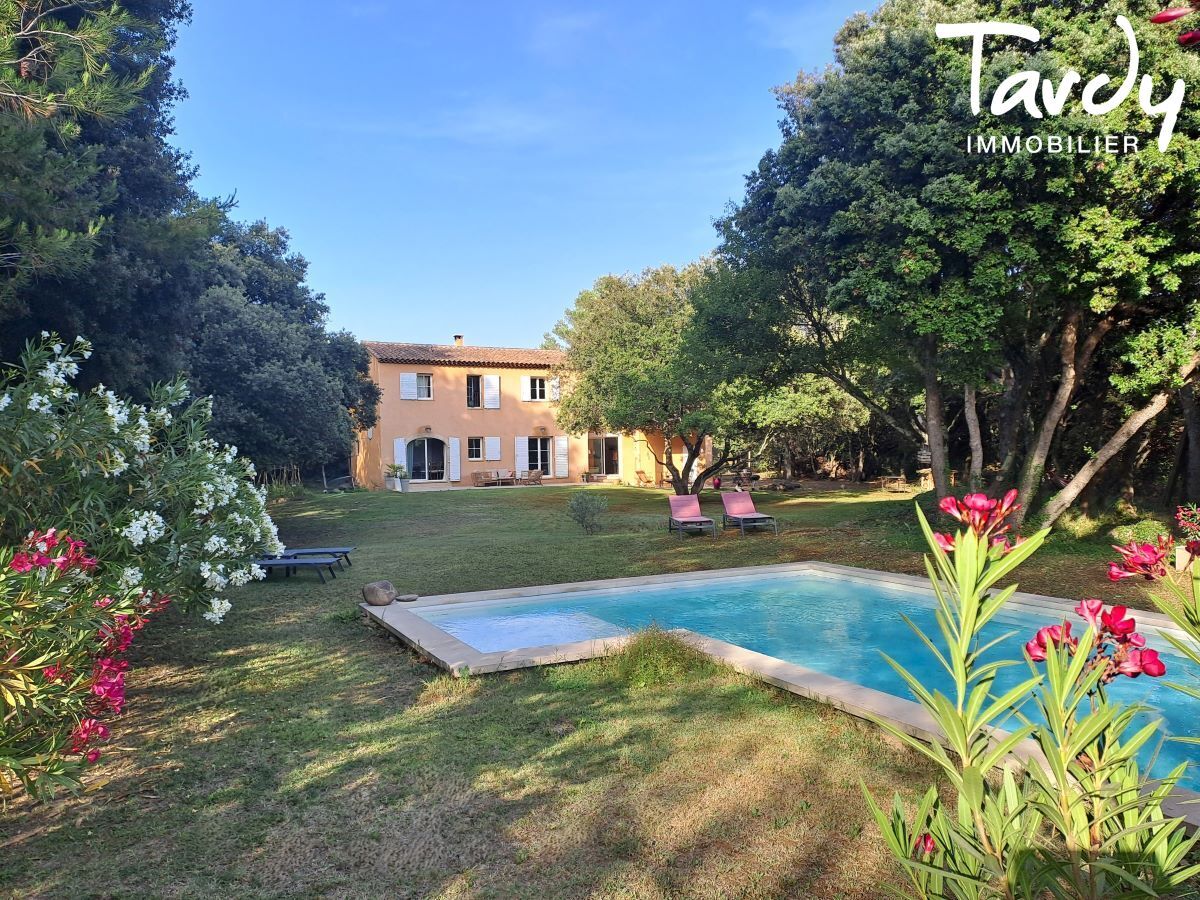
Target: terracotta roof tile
(454,355)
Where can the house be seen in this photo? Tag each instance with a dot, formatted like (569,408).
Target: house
(450,410)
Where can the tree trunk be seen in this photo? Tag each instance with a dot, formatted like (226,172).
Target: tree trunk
(1017,382)
(935,425)
(1191,423)
(1075,358)
(1064,498)
(716,466)
(975,474)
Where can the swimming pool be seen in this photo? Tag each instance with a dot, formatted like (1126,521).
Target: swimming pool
(826,619)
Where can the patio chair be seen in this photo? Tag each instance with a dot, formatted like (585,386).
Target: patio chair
(532,477)
(644,480)
(686,516)
(740,511)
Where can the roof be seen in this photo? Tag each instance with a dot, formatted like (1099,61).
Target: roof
(463,355)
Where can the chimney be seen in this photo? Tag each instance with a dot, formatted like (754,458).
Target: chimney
(458,340)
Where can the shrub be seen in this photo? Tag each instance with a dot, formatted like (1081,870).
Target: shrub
(165,514)
(1081,821)
(654,657)
(587,508)
(166,508)
(61,677)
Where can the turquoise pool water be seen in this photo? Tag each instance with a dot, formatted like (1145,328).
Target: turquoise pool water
(831,624)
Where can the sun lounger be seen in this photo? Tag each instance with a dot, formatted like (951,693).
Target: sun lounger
(686,516)
(740,511)
(532,477)
(342,553)
(296,563)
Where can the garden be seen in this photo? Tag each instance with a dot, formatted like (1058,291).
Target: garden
(975,369)
(311,754)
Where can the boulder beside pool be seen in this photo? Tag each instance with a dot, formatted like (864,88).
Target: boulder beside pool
(379,593)
(408,598)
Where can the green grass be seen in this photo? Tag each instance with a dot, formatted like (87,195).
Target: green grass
(298,751)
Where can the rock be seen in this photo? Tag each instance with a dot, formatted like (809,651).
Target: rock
(408,598)
(379,593)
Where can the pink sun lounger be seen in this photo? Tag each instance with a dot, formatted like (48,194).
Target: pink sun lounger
(740,511)
(686,516)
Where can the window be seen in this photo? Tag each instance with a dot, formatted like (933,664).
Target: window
(539,454)
(603,454)
(424,387)
(474,393)
(426,459)
(475,448)
(537,388)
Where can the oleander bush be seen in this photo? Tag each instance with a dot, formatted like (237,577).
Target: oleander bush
(1080,819)
(166,516)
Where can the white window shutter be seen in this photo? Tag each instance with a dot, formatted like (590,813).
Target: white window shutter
(491,391)
(454,463)
(522,455)
(491,449)
(400,452)
(408,385)
(561,456)
(555,389)
(526,393)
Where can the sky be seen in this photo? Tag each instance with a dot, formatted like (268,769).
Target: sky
(469,168)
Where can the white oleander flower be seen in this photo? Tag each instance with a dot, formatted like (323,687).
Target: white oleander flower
(144,528)
(131,578)
(118,465)
(39,403)
(5,402)
(218,610)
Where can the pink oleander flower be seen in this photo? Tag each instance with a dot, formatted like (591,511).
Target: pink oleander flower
(1171,14)
(1189,39)
(1146,560)
(56,673)
(45,541)
(92,755)
(925,844)
(108,683)
(1089,609)
(117,637)
(1050,636)
(87,731)
(945,541)
(981,513)
(1116,622)
(1142,662)
(21,563)
(103,603)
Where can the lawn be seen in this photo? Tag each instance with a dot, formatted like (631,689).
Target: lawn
(296,750)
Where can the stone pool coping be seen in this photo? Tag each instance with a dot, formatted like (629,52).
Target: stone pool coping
(909,716)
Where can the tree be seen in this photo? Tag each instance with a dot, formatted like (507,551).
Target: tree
(138,239)
(56,72)
(632,366)
(1001,275)
(284,390)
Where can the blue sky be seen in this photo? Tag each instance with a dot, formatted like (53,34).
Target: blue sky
(470,167)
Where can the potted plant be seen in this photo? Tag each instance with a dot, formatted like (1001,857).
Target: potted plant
(1188,518)
(396,478)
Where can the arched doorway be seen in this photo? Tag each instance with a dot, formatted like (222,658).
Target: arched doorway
(427,459)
